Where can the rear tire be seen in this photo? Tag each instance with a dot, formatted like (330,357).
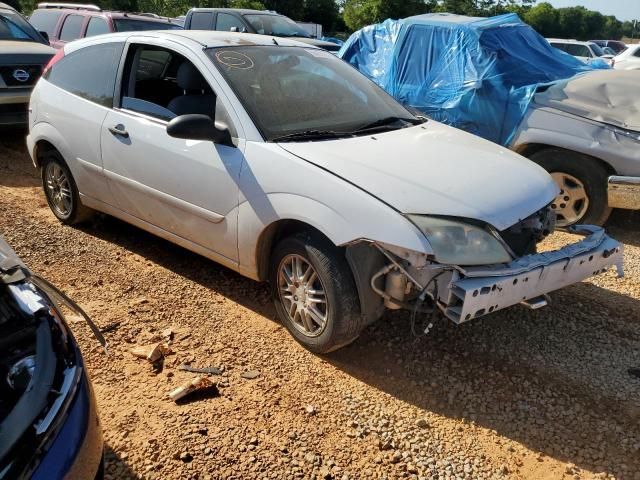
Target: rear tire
(576,173)
(61,191)
(320,307)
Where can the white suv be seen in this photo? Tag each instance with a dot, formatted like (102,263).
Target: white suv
(588,52)
(285,164)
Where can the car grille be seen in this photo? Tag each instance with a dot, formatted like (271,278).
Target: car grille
(16,76)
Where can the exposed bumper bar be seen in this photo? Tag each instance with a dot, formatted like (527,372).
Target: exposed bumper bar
(624,192)
(477,291)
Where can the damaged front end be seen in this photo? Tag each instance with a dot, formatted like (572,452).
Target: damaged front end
(502,270)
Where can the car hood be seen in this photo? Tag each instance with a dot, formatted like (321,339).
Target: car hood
(317,43)
(437,170)
(15,52)
(607,96)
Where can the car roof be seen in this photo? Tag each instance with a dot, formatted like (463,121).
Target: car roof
(96,11)
(577,42)
(7,7)
(241,11)
(206,38)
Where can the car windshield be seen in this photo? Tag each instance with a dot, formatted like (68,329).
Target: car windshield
(134,25)
(293,91)
(277,25)
(597,49)
(14,27)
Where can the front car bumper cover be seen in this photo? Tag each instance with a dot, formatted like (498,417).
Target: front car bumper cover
(477,291)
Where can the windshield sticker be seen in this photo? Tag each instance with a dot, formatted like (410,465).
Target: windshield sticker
(233,59)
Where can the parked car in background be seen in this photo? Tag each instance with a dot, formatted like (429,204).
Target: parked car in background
(629,59)
(65,22)
(371,213)
(616,45)
(49,426)
(23,54)
(586,132)
(580,124)
(588,52)
(261,22)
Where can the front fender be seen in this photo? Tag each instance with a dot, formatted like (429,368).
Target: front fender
(380,224)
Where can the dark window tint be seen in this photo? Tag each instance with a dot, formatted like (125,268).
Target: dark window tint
(201,21)
(578,50)
(97,26)
(133,25)
(71,28)
(637,53)
(89,72)
(226,22)
(45,21)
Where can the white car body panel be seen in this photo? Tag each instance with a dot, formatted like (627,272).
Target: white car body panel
(438,170)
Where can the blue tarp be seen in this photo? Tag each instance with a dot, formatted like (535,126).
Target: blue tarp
(478,74)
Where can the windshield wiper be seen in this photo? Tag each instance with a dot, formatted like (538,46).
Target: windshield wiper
(386,123)
(311,135)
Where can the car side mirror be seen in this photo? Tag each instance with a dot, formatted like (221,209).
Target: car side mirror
(199,127)
(45,35)
(234,29)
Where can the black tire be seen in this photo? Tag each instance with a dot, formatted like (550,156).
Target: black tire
(343,319)
(76,212)
(589,171)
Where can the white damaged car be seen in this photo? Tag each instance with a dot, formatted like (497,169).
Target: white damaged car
(285,164)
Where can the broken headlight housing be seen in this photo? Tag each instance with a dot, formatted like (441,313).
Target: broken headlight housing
(459,243)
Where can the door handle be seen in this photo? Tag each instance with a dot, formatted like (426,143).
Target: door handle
(119,130)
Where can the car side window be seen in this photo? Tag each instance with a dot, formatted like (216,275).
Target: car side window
(225,22)
(71,28)
(637,53)
(201,21)
(89,72)
(578,50)
(161,83)
(97,26)
(45,21)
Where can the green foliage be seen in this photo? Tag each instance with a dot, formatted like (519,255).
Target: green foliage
(358,13)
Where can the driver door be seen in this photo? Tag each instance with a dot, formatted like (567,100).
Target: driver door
(186,188)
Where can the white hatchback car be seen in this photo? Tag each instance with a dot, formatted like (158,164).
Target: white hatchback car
(285,164)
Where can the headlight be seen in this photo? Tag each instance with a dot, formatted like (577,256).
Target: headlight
(458,243)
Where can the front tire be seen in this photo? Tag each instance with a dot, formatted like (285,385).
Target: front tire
(61,191)
(583,186)
(315,293)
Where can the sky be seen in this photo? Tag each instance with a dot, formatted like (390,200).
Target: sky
(623,9)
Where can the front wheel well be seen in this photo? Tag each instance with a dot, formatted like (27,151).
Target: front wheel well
(530,149)
(270,237)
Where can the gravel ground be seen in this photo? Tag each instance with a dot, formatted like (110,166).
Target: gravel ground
(519,394)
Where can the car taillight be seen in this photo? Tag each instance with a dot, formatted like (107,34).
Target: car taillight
(55,59)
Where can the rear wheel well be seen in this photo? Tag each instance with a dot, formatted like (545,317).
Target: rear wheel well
(530,149)
(42,147)
(270,237)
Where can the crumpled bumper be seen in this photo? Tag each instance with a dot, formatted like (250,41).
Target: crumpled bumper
(477,291)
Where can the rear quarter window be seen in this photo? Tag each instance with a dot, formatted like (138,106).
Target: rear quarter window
(89,72)
(45,21)
(71,28)
(201,21)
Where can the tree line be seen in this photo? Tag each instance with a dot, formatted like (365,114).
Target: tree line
(346,16)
